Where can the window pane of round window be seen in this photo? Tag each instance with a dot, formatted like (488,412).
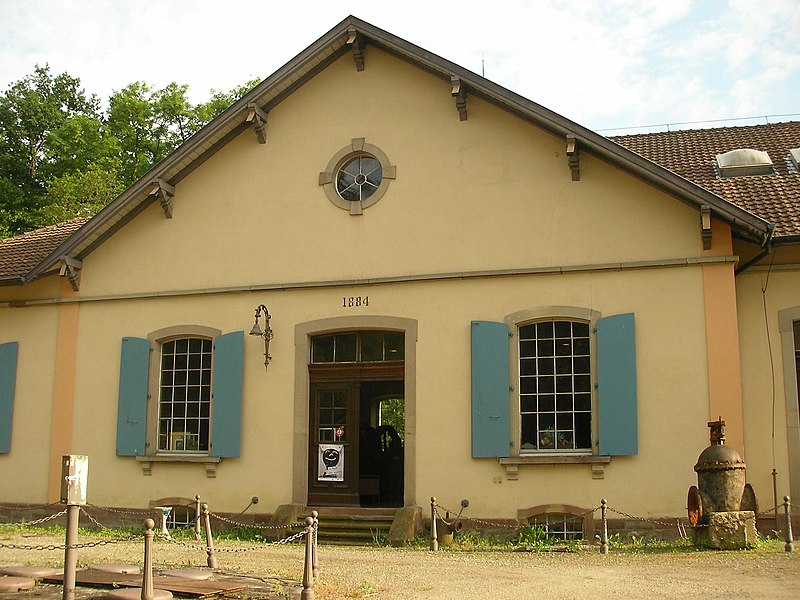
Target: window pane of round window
(359,178)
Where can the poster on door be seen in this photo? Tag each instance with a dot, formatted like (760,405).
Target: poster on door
(330,466)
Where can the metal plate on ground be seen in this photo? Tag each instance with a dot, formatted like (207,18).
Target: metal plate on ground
(33,572)
(176,585)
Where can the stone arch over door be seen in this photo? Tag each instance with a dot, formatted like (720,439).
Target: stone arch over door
(302,345)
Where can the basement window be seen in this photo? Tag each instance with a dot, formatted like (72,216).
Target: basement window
(742,162)
(560,527)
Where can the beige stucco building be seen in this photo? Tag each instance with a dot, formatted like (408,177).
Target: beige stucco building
(469,295)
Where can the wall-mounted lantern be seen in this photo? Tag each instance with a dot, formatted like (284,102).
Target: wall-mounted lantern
(266,333)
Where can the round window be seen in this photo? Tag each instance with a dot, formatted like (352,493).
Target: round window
(359,178)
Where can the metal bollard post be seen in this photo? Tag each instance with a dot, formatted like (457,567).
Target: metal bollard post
(603,527)
(197,515)
(147,573)
(308,578)
(70,552)
(789,545)
(434,534)
(74,477)
(212,558)
(314,563)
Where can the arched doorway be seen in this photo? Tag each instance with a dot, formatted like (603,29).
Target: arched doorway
(356,454)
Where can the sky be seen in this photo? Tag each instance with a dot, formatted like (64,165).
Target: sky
(614,66)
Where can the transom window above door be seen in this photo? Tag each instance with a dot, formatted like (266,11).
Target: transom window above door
(359,346)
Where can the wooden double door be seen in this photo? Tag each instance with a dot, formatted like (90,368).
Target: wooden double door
(354,459)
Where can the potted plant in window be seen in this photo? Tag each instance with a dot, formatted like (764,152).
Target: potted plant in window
(547,438)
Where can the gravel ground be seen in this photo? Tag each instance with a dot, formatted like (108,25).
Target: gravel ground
(390,574)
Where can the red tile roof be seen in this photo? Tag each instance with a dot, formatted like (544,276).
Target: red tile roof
(691,154)
(19,254)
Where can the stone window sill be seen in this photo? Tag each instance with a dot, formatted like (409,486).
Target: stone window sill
(597,463)
(210,462)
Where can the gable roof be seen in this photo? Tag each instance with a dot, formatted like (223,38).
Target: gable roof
(352,35)
(691,154)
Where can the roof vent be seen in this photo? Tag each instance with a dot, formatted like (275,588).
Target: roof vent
(744,161)
(794,158)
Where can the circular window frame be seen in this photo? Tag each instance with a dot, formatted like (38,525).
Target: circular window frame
(357,147)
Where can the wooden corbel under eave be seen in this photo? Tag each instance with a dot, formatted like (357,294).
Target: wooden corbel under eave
(705,226)
(573,157)
(258,118)
(71,269)
(164,192)
(459,92)
(356,40)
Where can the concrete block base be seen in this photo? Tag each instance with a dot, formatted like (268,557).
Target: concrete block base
(727,530)
(407,522)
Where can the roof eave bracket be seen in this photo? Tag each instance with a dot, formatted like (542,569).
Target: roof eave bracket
(71,269)
(356,40)
(258,118)
(459,92)
(164,192)
(573,157)
(705,226)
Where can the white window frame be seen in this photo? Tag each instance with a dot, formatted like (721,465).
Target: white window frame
(547,313)
(157,339)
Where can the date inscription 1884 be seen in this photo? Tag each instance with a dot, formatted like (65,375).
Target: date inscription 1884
(355,301)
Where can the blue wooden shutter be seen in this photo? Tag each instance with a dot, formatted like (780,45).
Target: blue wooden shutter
(490,393)
(132,406)
(616,379)
(226,417)
(8,378)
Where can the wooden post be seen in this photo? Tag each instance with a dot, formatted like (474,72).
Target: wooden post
(212,558)
(70,552)
(147,573)
(434,534)
(789,545)
(197,515)
(603,527)
(308,578)
(314,563)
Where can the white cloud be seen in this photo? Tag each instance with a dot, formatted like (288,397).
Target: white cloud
(602,63)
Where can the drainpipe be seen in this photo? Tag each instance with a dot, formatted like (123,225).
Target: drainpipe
(768,249)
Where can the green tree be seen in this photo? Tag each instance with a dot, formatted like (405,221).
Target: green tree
(61,157)
(220,101)
(30,110)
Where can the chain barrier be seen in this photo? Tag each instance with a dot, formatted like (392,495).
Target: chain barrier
(44,519)
(92,519)
(438,506)
(517,526)
(253,525)
(205,548)
(644,519)
(64,546)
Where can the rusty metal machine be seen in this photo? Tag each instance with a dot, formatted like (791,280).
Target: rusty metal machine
(722,507)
